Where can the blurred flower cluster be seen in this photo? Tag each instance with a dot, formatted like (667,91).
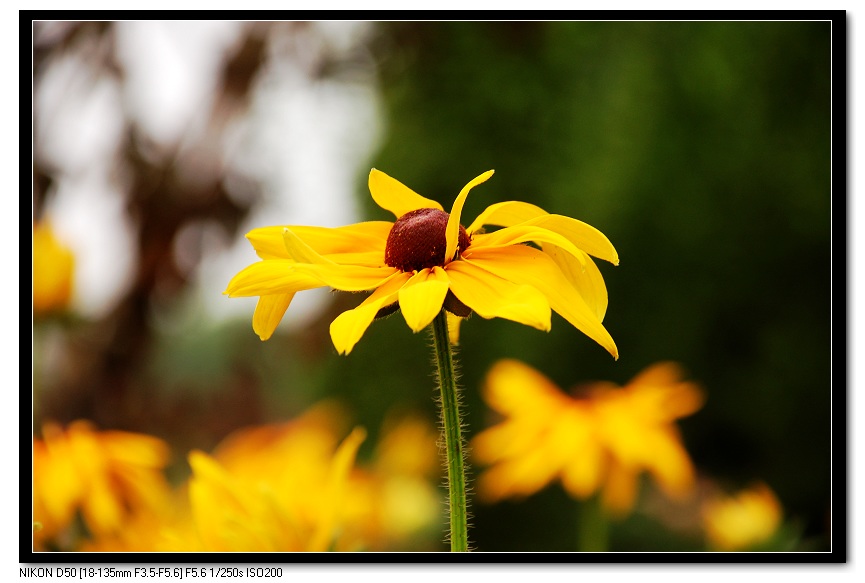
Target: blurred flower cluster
(600,440)
(292,486)
(297,485)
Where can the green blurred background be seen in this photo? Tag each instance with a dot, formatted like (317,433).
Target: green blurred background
(701,149)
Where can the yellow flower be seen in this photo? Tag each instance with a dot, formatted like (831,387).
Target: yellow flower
(427,260)
(742,521)
(53,270)
(395,499)
(108,476)
(601,440)
(271,488)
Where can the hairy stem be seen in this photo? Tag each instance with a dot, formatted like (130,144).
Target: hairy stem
(453,438)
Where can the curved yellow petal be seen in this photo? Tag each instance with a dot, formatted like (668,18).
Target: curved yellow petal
(370,236)
(514,388)
(506,214)
(394,196)
(523,234)
(421,298)
(525,265)
(583,235)
(452,232)
(269,312)
(493,297)
(347,329)
(271,276)
(583,275)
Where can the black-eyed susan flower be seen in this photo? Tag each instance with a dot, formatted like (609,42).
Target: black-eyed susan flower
(599,440)
(426,260)
(742,521)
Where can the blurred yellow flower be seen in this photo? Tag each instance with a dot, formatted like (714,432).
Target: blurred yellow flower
(53,271)
(602,439)
(396,501)
(109,476)
(293,487)
(272,488)
(427,260)
(742,521)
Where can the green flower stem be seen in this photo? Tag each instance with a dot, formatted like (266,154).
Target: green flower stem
(593,529)
(453,437)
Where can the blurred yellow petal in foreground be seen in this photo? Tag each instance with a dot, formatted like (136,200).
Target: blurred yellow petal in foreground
(396,503)
(53,270)
(107,476)
(602,439)
(277,487)
(742,521)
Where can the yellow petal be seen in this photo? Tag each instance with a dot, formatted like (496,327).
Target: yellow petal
(514,388)
(452,231)
(493,297)
(343,460)
(348,327)
(269,312)
(271,276)
(620,489)
(659,374)
(583,275)
(135,449)
(523,234)
(582,235)
(360,237)
(506,214)
(581,475)
(102,509)
(347,277)
(671,466)
(517,477)
(525,265)
(499,442)
(300,251)
(214,499)
(362,258)
(421,298)
(454,323)
(392,195)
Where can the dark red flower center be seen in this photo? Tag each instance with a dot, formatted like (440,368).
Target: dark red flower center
(417,240)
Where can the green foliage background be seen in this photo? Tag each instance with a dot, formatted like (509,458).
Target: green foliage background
(702,150)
